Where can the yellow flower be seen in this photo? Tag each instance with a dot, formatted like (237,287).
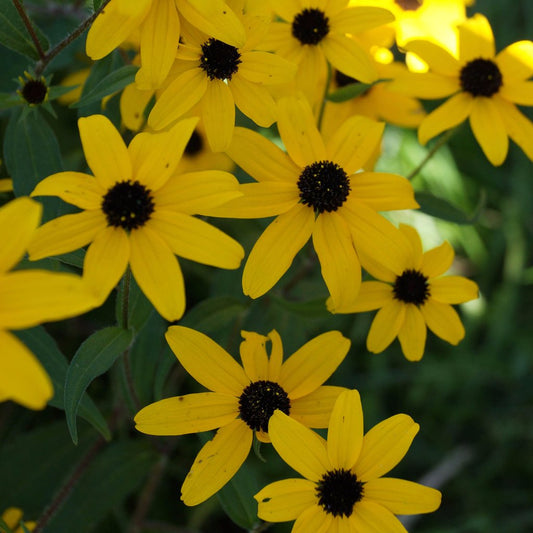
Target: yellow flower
(221,71)
(316,190)
(412,297)
(12,517)
(482,86)
(344,489)
(29,298)
(243,398)
(135,213)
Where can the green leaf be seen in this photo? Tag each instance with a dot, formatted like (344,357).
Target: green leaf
(56,365)
(94,357)
(59,90)
(8,100)
(113,82)
(113,475)
(350,91)
(236,498)
(311,308)
(441,208)
(214,314)
(14,34)
(139,307)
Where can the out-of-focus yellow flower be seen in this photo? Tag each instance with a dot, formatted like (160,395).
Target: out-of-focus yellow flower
(12,516)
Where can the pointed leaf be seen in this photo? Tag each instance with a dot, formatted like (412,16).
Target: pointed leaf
(441,208)
(350,91)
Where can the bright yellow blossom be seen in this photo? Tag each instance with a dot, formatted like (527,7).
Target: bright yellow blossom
(13,517)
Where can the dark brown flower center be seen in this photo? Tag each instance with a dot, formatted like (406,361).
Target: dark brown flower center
(34,91)
(409,5)
(338,491)
(324,186)
(411,287)
(481,77)
(128,205)
(258,402)
(310,26)
(219,60)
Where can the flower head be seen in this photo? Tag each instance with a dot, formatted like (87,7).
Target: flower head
(12,516)
(413,297)
(137,213)
(242,398)
(344,489)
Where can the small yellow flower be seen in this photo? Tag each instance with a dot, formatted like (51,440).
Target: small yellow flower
(242,398)
(29,298)
(136,212)
(13,517)
(413,297)
(343,489)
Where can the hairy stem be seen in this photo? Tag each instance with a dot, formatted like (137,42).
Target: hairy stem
(29,27)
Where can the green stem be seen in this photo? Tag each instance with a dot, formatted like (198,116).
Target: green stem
(29,27)
(43,62)
(324,99)
(442,140)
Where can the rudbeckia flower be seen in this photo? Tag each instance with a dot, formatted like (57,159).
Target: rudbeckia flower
(243,398)
(136,213)
(316,190)
(29,298)
(13,517)
(219,72)
(343,489)
(482,86)
(412,298)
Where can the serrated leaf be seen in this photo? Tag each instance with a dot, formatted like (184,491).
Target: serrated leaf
(94,357)
(350,91)
(56,364)
(113,82)
(441,208)
(14,34)
(236,498)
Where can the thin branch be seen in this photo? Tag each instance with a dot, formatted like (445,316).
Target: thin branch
(30,28)
(443,140)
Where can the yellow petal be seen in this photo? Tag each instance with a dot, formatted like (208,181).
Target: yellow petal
(254,100)
(155,156)
(383,191)
(313,363)
(81,190)
(198,192)
(286,9)
(275,250)
(180,96)
(443,320)
(217,462)
(301,448)
(402,497)
(66,233)
(105,151)
(489,129)
(160,33)
(345,430)
(416,244)
(12,516)
(353,144)
(339,263)
(516,61)
(475,39)
(276,356)
(261,158)
(372,295)
(253,355)
(520,93)
(191,413)
(447,116)
(24,380)
(518,126)
(437,261)
(372,517)
(412,334)
(18,222)
(218,114)
(194,239)
(384,446)
(157,273)
(360,18)
(285,500)
(106,261)
(437,57)
(314,409)
(6,184)
(427,85)
(113,26)
(453,290)
(298,131)
(133,102)
(314,519)
(385,326)
(349,57)
(206,361)
(265,68)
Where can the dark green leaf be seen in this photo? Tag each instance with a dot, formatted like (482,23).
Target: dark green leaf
(97,4)
(8,100)
(56,365)
(58,90)
(113,475)
(350,91)
(14,34)
(139,307)
(440,208)
(236,498)
(113,82)
(94,357)
(311,308)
